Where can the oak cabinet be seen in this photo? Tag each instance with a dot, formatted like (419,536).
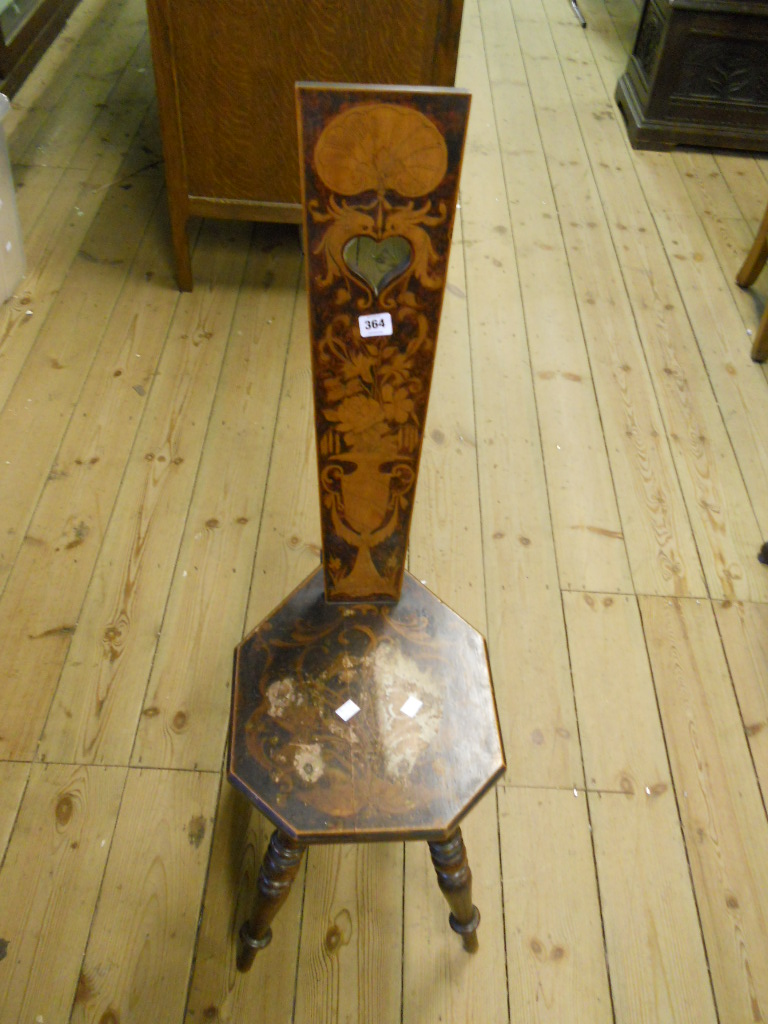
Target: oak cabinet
(225,73)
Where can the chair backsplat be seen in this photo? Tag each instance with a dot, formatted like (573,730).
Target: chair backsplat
(380,174)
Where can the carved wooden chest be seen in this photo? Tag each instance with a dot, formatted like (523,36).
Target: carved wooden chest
(698,75)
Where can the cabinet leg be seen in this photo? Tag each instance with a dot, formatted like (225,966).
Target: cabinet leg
(278,870)
(181,250)
(455,880)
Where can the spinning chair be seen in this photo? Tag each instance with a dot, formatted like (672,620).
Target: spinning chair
(362,706)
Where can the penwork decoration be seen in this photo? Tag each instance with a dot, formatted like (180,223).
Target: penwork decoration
(362,706)
(379,183)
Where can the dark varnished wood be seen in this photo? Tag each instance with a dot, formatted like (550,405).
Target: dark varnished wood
(379,184)
(454,877)
(696,75)
(225,73)
(747,275)
(362,707)
(382,774)
(278,870)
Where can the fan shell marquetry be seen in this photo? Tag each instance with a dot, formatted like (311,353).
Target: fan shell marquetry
(381,147)
(379,180)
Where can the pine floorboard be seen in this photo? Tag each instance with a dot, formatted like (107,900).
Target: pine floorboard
(594,491)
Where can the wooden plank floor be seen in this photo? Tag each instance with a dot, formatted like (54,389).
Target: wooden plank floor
(593,497)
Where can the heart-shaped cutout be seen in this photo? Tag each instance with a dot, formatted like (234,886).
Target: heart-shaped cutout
(378,263)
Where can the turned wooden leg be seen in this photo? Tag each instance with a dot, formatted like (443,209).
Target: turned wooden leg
(455,880)
(750,269)
(760,342)
(278,870)
(756,257)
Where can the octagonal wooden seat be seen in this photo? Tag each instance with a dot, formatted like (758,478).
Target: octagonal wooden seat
(353,719)
(363,707)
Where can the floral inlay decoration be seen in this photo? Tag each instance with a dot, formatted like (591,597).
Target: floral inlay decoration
(380,181)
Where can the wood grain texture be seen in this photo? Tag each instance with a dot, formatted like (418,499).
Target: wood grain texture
(708,191)
(44,619)
(33,109)
(382,771)
(619,724)
(49,253)
(441,981)
(56,143)
(128,107)
(454,877)
(289,680)
(125,604)
(279,867)
(447,518)
(213,574)
(244,59)
(725,828)
(13,780)
(731,240)
(529,662)
(49,885)
(83,307)
(746,183)
(660,543)
(349,964)
(218,991)
(709,473)
(556,961)
(161,35)
(658,964)
(288,547)
(537,856)
(289,537)
(648,906)
(377,225)
(294,672)
(95,451)
(744,631)
(748,274)
(447,509)
(64,64)
(53,235)
(688,215)
(140,948)
(590,545)
(446,514)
